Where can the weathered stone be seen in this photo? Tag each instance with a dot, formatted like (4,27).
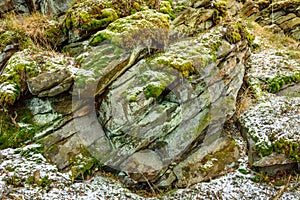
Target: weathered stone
(48,80)
(292,90)
(176,113)
(207,162)
(53,7)
(290,24)
(85,18)
(272,126)
(146,28)
(284,14)
(23,66)
(295,33)
(273,69)
(285,18)
(64,144)
(6,53)
(249,8)
(133,42)
(192,21)
(143,166)
(18,6)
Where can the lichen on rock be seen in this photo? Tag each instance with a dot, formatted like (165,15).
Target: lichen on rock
(272,126)
(273,69)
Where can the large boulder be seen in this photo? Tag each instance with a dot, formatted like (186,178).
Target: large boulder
(272,132)
(158,109)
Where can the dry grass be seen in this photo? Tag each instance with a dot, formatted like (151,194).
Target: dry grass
(245,100)
(273,40)
(43,31)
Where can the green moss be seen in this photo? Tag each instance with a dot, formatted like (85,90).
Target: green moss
(14,135)
(166,8)
(153,90)
(287,147)
(147,28)
(88,16)
(83,165)
(221,6)
(237,31)
(275,84)
(100,37)
(12,81)
(263,149)
(15,37)
(220,11)
(219,158)
(186,68)
(44,182)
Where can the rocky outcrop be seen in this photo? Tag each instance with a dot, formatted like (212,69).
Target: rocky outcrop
(162,107)
(150,87)
(281,16)
(87,17)
(271,128)
(18,6)
(198,17)
(46,7)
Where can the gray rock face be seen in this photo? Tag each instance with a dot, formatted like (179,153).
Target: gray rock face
(272,131)
(158,111)
(50,83)
(54,7)
(46,7)
(6,53)
(18,6)
(284,14)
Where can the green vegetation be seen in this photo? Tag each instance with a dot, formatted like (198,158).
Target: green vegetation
(153,90)
(275,84)
(147,28)
(166,8)
(237,31)
(83,165)
(30,31)
(220,10)
(16,127)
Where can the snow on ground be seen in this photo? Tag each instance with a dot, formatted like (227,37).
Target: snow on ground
(18,165)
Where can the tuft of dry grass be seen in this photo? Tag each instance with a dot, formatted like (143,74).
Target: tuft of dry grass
(273,40)
(43,31)
(244,101)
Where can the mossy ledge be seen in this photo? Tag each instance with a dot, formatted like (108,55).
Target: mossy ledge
(146,28)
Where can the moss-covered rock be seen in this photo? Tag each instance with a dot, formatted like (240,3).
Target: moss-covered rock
(273,69)
(86,17)
(24,65)
(17,126)
(238,31)
(201,17)
(146,28)
(12,37)
(272,127)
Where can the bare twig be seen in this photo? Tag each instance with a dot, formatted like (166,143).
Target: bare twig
(282,189)
(152,189)
(13,119)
